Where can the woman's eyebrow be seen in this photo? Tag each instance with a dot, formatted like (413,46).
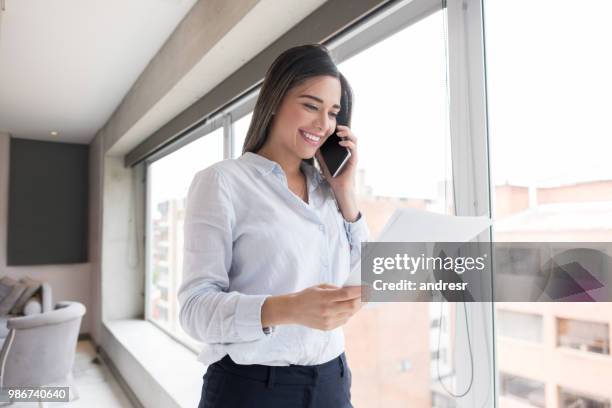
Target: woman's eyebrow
(318,100)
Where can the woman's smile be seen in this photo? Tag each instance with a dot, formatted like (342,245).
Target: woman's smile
(310,138)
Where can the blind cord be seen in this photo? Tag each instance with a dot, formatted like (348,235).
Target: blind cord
(467,328)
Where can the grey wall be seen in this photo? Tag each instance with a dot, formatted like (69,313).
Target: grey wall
(70,281)
(48,203)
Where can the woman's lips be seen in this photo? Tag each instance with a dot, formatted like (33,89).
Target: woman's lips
(310,138)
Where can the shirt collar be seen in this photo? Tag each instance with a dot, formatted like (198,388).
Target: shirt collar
(266,166)
(262,164)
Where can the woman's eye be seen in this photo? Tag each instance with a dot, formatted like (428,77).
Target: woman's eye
(316,108)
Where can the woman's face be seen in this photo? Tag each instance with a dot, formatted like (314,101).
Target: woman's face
(306,117)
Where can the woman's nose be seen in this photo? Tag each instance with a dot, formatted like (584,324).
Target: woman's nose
(322,123)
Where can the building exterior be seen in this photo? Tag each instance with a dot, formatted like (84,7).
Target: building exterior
(167,262)
(555,354)
(548,354)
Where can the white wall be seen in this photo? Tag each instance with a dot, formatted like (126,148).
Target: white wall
(122,255)
(68,282)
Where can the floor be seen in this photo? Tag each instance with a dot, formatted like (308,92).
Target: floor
(96,386)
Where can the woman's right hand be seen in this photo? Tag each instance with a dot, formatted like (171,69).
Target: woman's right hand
(325,306)
(322,307)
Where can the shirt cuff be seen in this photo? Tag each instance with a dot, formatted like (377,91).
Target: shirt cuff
(247,319)
(357,231)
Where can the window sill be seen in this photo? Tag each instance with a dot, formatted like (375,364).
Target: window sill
(585,354)
(168,363)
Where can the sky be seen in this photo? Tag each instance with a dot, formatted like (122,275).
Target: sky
(549,87)
(548,83)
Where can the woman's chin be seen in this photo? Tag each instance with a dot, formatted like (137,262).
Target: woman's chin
(307,153)
(308,156)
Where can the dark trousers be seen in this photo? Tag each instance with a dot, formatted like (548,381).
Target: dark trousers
(231,385)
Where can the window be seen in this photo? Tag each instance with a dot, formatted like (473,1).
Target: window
(528,391)
(401,119)
(439,400)
(583,335)
(571,399)
(439,354)
(241,126)
(438,322)
(523,326)
(168,183)
(551,180)
(547,89)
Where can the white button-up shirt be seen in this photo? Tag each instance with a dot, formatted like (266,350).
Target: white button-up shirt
(247,236)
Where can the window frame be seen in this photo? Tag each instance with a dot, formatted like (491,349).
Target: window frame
(472,186)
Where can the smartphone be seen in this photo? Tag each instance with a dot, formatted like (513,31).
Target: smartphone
(334,155)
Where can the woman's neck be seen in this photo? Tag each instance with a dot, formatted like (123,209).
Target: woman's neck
(289,163)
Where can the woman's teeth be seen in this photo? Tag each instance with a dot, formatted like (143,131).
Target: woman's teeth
(310,137)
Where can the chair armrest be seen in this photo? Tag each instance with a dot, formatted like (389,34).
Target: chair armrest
(46,297)
(61,315)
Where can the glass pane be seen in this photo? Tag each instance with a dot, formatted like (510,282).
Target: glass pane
(241,126)
(528,391)
(523,326)
(573,399)
(399,352)
(549,88)
(584,336)
(170,178)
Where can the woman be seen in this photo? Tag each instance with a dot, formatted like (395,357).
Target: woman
(269,242)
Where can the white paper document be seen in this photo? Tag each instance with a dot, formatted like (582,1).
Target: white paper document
(412,225)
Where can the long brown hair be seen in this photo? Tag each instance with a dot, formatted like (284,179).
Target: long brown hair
(289,70)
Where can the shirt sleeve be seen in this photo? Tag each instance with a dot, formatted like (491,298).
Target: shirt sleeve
(356,232)
(208,312)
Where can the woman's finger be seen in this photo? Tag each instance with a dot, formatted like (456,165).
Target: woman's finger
(349,144)
(347,133)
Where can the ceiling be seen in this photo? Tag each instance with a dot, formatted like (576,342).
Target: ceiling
(65,65)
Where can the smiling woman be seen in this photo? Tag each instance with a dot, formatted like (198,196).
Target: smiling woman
(264,261)
(305,119)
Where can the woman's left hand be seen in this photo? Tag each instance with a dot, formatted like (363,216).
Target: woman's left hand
(343,185)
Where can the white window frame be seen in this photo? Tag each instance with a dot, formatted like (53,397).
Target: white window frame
(472,186)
